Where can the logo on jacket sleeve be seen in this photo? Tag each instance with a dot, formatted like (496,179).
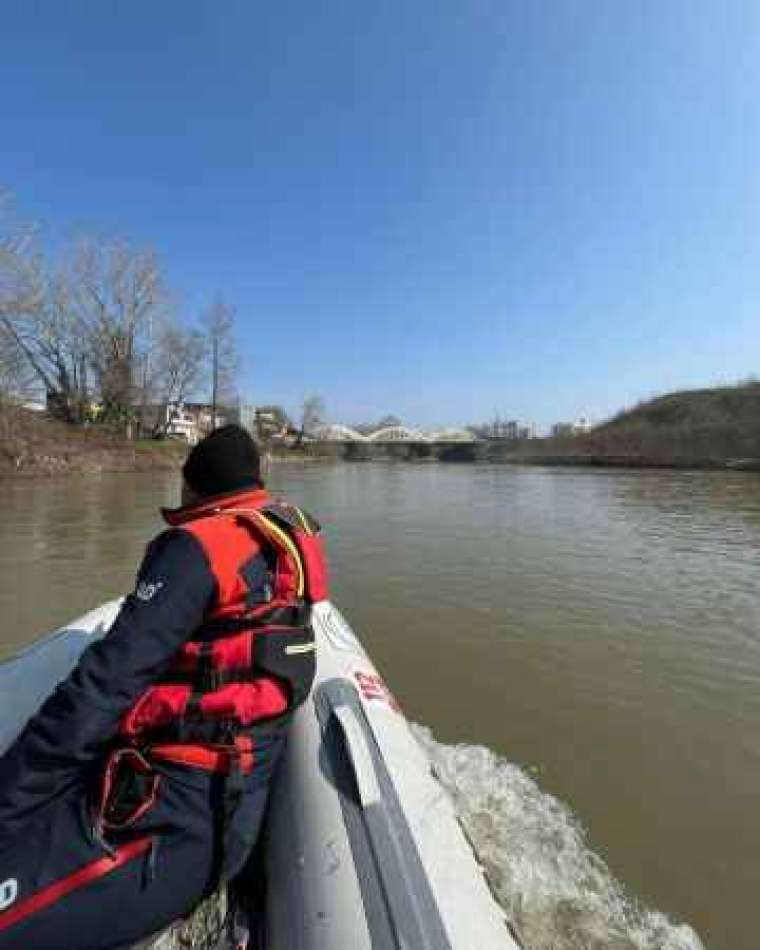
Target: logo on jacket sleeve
(147,590)
(8,893)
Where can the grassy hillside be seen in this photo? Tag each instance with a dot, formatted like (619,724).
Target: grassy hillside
(703,426)
(723,406)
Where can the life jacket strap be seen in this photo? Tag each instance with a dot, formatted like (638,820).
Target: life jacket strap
(224,759)
(291,615)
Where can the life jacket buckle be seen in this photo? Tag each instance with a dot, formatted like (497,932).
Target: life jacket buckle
(209,679)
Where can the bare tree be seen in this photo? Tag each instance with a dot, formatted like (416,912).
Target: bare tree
(43,345)
(17,271)
(21,295)
(219,324)
(312,414)
(60,339)
(179,367)
(118,292)
(386,422)
(52,340)
(16,378)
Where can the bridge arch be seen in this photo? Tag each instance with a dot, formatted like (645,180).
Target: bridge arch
(339,433)
(397,434)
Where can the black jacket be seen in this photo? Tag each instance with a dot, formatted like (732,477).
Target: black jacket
(174,588)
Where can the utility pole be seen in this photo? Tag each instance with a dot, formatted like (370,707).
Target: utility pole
(214,377)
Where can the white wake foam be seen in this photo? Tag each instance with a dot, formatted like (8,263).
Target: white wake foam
(560,894)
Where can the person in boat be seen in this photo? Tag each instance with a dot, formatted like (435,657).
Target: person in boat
(142,781)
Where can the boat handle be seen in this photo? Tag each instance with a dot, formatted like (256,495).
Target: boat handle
(360,755)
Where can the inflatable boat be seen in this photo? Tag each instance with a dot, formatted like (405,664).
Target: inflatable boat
(362,848)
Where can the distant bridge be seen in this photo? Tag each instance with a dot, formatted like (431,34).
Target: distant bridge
(336,432)
(397,434)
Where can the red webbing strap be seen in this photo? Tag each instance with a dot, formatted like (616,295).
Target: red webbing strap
(194,756)
(90,872)
(209,758)
(244,746)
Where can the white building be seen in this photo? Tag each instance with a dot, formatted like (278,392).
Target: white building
(191,421)
(581,427)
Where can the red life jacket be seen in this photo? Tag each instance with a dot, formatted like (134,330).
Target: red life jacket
(252,659)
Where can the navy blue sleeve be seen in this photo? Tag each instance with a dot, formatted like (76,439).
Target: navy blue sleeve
(174,587)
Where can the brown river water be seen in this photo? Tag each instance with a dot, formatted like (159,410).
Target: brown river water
(600,630)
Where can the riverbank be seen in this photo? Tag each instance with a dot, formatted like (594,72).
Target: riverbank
(536,452)
(710,429)
(716,428)
(706,429)
(35,446)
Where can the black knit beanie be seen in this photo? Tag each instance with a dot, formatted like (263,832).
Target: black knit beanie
(226,460)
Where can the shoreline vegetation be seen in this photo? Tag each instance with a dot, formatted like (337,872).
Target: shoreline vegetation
(32,444)
(716,429)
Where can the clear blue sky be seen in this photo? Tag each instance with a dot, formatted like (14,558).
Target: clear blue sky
(437,209)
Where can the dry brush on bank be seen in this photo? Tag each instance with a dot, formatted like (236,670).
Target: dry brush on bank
(32,444)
